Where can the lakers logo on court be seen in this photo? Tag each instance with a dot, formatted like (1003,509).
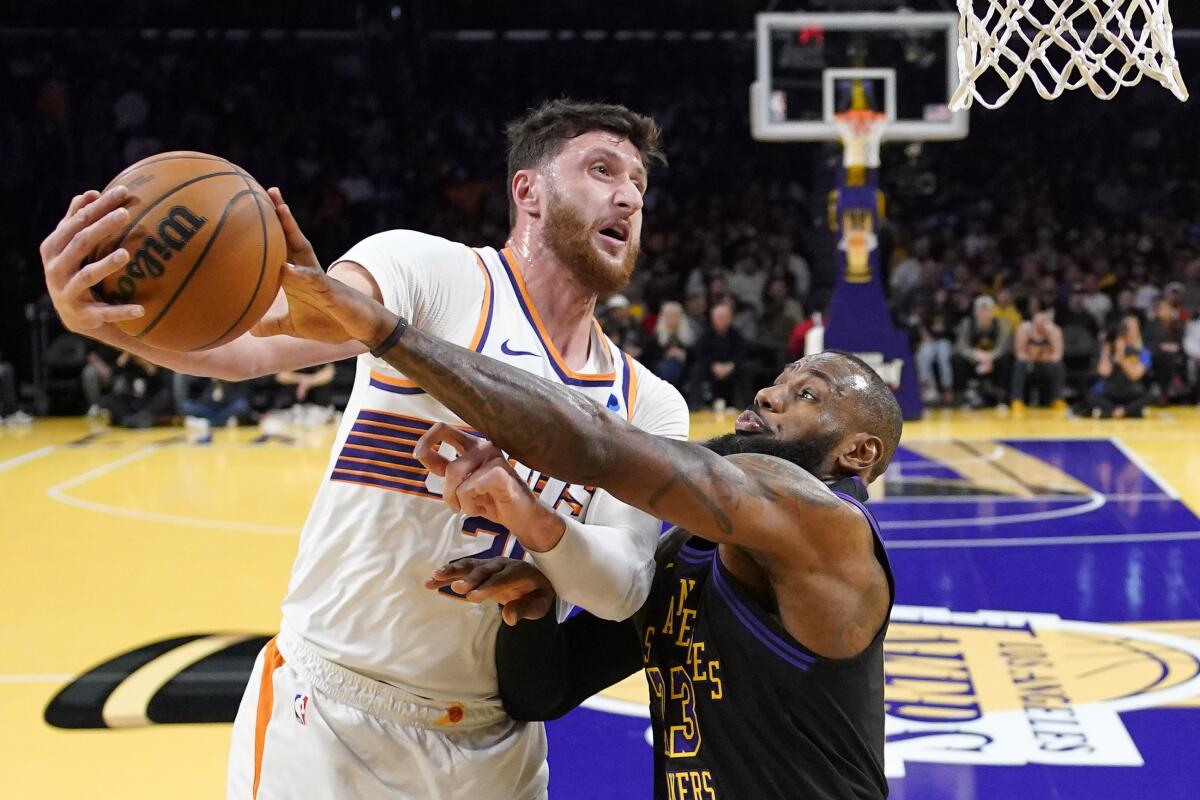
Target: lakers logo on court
(1009,688)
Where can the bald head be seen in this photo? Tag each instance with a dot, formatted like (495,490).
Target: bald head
(872,407)
(829,413)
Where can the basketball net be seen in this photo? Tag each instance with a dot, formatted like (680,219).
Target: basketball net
(861,130)
(1064,44)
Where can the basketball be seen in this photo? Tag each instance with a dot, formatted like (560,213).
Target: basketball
(205,251)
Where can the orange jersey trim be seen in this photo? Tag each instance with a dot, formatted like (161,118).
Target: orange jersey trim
(481,329)
(631,386)
(272,660)
(485,310)
(428,495)
(378,477)
(540,327)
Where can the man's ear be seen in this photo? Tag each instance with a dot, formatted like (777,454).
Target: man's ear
(862,452)
(527,192)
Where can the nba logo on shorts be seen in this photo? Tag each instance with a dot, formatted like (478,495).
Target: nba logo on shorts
(300,707)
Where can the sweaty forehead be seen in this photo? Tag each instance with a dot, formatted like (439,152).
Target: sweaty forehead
(608,142)
(841,375)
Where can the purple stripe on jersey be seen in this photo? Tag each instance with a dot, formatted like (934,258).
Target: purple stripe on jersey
(395,447)
(695,557)
(870,517)
(491,298)
(390,472)
(564,377)
(391,458)
(381,430)
(757,628)
(396,389)
(393,419)
(695,554)
(383,483)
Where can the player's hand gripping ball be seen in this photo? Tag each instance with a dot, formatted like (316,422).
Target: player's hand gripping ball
(205,251)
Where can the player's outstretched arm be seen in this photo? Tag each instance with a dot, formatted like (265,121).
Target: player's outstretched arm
(545,669)
(759,502)
(91,217)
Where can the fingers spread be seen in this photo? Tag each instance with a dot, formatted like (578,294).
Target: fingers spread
(79,219)
(448,573)
(93,274)
(108,313)
(474,585)
(86,240)
(80,200)
(427,447)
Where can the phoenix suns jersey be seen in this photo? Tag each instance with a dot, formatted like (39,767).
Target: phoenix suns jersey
(378,526)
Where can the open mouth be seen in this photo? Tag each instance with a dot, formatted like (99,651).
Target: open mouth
(750,422)
(617,232)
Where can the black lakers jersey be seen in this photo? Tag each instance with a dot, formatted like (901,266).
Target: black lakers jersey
(740,708)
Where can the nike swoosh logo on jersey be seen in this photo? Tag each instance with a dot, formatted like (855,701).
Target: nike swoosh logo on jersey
(504,348)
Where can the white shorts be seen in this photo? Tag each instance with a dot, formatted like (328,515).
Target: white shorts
(308,728)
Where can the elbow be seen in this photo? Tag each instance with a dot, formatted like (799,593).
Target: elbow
(241,368)
(633,599)
(618,612)
(234,370)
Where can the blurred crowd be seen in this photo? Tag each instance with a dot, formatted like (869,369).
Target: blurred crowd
(1055,261)
(1051,258)
(127,391)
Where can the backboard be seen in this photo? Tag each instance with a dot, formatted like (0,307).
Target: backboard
(807,64)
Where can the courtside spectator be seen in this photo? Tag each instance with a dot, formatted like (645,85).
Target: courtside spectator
(1168,362)
(1038,362)
(141,395)
(983,341)
(1122,372)
(666,351)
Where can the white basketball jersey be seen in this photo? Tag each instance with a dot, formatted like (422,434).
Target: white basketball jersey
(378,526)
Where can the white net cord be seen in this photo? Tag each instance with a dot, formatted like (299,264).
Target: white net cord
(861,131)
(1064,44)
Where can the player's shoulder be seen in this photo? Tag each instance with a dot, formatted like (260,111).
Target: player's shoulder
(658,399)
(411,245)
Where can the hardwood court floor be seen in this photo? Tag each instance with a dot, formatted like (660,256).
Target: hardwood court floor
(1080,536)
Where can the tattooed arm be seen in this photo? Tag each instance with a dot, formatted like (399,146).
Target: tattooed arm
(755,501)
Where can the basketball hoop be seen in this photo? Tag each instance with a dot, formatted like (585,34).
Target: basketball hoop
(1064,44)
(861,131)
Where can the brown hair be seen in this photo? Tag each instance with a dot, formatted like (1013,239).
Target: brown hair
(539,135)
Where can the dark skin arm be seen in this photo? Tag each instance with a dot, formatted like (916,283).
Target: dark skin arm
(757,502)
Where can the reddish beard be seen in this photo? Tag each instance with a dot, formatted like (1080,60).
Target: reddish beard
(569,237)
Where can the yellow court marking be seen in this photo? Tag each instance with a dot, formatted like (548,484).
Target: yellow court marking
(126,706)
(61,492)
(996,468)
